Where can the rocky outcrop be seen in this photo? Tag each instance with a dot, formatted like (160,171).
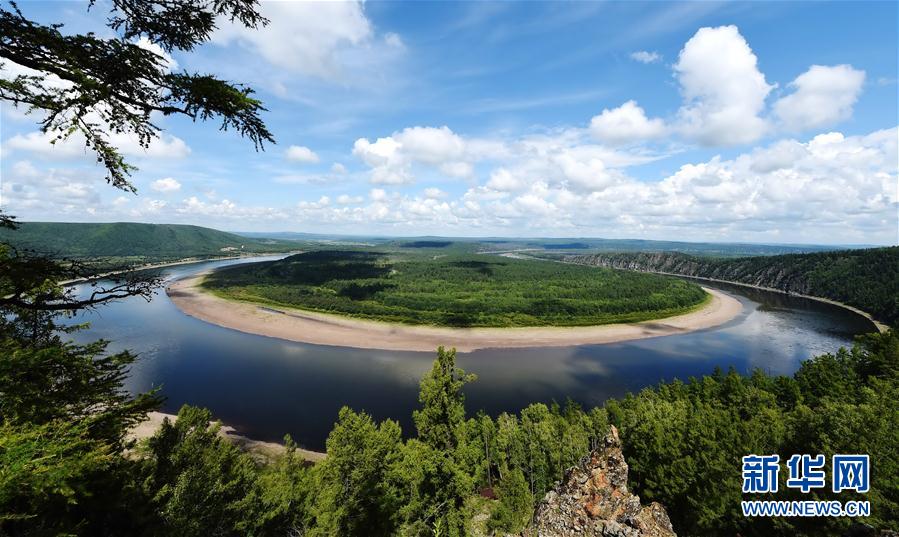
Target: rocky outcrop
(781,272)
(593,501)
(867,279)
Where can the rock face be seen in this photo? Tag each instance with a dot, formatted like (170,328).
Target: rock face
(593,501)
(786,275)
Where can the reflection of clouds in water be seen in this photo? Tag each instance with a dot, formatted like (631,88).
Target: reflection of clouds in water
(271,386)
(293,350)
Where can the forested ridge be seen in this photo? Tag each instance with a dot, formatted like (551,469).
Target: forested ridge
(456,289)
(866,279)
(133,241)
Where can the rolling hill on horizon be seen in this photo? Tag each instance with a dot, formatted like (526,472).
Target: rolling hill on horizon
(573,244)
(134,240)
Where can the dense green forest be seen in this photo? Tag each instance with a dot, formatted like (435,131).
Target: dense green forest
(866,279)
(456,290)
(133,243)
(65,414)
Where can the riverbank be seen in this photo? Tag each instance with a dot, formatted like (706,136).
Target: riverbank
(265,451)
(881,327)
(183,261)
(322,329)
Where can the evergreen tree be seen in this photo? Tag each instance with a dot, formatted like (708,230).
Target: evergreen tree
(199,483)
(515,506)
(353,495)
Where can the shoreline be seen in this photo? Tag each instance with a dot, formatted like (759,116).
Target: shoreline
(265,451)
(881,327)
(335,330)
(183,261)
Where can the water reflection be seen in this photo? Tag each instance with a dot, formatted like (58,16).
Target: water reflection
(268,387)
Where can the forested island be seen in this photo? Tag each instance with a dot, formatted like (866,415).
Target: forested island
(456,290)
(867,279)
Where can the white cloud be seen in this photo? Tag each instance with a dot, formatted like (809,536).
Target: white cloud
(338,168)
(346,199)
(378,194)
(388,165)
(503,181)
(723,89)
(625,124)
(644,56)
(299,153)
(830,188)
(302,37)
(165,147)
(392,158)
(394,40)
(168,61)
(434,193)
(823,96)
(431,145)
(166,185)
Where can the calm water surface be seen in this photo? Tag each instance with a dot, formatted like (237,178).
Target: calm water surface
(267,387)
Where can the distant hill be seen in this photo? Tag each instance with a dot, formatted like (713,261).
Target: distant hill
(563,244)
(130,240)
(866,279)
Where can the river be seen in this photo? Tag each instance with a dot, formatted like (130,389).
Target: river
(267,387)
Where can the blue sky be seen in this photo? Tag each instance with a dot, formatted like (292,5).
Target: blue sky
(757,122)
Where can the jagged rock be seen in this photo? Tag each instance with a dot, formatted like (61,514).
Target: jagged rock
(593,501)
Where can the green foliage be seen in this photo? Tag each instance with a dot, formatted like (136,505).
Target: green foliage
(112,85)
(683,442)
(513,511)
(442,415)
(43,469)
(70,383)
(133,243)
(199,483)
(353,493)
(286,488)
(440,478)
(866,279)
(456,290)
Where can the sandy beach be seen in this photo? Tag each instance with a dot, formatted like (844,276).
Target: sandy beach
(323,329)
(263,451)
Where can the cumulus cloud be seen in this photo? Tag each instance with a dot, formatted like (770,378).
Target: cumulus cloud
(822,96)
(27,189)
(338,168)
(299,153)
(42,143)
(723,89)
(503,181)
(392,158)
(625,124)
(346,199)
(829,188)
(387,162)
(168,60)
(644,56)
(302,37)
(434,193)
(166,185)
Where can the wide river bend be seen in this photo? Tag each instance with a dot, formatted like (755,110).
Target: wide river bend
(267,387)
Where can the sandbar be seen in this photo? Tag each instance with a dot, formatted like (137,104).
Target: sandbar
(335,330)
